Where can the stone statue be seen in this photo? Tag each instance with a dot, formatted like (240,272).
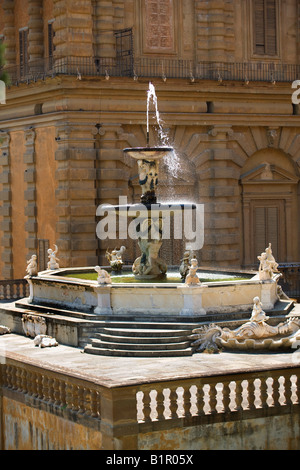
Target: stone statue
(103,276)
(254,334)
(185,265)
(32,268)
(192,279)
(267,265)
(53,260)
(150,265)
(148,180)
(115,259)
(271,260)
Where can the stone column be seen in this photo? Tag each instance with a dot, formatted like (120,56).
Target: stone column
(30,193)
(35,27)
(73,28)
(76,195)
(220,193)
(5,179)
(9,32)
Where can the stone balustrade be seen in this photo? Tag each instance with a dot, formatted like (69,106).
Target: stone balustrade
(135,416)
(218,395)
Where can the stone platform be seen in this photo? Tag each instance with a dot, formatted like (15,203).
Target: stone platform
(127,335)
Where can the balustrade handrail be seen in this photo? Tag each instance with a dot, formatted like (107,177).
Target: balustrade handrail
(13,289)
(164,401)
(135,67)
(216,395)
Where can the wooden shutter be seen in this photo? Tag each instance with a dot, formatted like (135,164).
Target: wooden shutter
(266,229)
(265,27)
(23,51)
(51,35)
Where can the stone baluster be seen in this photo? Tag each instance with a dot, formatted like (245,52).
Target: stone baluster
(160,408)
(173,402)
(238,395)
(276,392)
(95,404)
(200,400)
(226,396)
(287,388)
(251,394)
(187,401)
(213,399)
(146,406)
(264,392)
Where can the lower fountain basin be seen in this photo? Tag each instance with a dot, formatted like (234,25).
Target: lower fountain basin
(54,288)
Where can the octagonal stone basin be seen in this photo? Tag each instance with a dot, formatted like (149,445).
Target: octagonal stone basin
(60,289)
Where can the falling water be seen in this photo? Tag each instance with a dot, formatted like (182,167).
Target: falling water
(171,160)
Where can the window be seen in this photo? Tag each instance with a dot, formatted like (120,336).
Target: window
(265,27)
(51,47)
(23,51)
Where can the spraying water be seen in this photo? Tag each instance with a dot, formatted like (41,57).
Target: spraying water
(172,160)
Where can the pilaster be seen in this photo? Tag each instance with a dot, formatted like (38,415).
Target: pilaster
(76,195)
(220,193)
(35,26)
(9,32)
(73,28)
(6,209)
(112,175)
(104,28)
(30,192)
(215,30)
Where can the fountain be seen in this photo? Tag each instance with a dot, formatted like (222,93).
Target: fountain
(144,318)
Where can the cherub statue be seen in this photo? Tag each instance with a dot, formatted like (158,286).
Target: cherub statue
(185,265)
(258,315)
(115,258)
(271,259)
(264,271)
(32,269)
(192,279)
(53,260)
(103,276)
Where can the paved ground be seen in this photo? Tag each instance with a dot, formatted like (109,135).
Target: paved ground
(118,371)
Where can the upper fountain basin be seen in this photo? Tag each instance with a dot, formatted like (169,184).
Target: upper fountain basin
(148,153)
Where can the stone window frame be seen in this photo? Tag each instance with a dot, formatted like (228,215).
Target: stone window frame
(250,13)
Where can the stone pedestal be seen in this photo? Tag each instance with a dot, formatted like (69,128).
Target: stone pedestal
(103,297)
(192,300)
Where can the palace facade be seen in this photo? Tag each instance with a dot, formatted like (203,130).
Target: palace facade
(79,74)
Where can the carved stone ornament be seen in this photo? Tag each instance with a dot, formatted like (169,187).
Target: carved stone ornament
(254,334)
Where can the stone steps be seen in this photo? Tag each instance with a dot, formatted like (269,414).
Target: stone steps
(142,339)
(138,353)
